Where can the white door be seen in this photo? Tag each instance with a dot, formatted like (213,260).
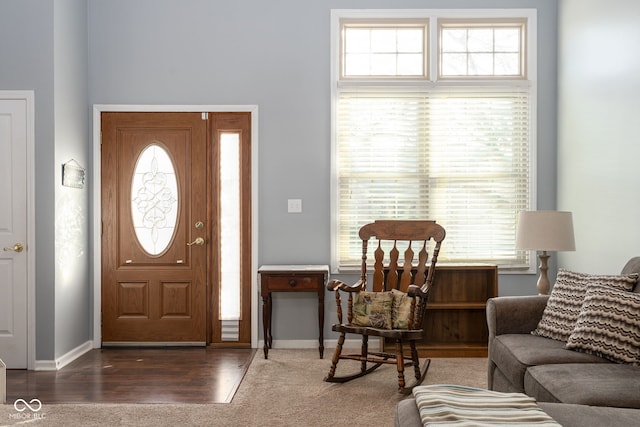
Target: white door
(15,117)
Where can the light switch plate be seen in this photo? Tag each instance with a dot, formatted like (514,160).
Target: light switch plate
(294,205)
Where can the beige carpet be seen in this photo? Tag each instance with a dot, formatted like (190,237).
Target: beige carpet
(285,390)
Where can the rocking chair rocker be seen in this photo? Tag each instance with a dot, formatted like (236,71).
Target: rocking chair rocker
(395,306)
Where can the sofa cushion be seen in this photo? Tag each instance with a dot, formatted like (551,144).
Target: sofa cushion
(591,416)
(609,325)
(598,384)
(514,353)
(562,310)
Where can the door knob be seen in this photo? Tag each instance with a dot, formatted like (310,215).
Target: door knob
(199,241)
(15,248)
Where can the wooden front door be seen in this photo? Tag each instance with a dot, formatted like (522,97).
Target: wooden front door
(153,181)
(164,228)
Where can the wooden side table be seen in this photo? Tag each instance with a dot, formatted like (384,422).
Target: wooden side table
(291,278)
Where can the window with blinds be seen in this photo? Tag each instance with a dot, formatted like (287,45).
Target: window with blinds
(456,151)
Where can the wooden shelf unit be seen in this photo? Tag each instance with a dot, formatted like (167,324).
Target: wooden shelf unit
(455,322)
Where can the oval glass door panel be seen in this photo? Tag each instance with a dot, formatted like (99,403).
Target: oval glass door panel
(154,199)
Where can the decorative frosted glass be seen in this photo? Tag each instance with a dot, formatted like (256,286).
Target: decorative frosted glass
(230,226)
(154,199)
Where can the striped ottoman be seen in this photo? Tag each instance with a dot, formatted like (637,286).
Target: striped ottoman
(454,405)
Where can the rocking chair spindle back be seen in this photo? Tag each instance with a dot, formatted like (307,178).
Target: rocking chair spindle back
(395,268)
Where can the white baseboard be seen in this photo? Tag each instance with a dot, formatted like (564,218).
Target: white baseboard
(153,344)
(290,344)
(65,359)
(3,382)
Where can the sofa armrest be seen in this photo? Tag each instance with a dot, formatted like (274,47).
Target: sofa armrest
(511,315)
(514,315)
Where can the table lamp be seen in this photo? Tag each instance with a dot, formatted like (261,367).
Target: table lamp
(545,231)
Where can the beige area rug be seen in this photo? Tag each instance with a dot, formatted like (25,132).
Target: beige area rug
(284,390)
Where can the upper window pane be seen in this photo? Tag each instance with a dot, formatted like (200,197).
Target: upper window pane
(383,51)
(481,50)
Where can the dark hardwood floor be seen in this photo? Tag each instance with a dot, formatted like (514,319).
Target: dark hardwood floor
(137,375)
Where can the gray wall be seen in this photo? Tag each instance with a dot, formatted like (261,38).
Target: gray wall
(72,289)
(43,46)
(26,49)
(599,146)
(272,54)
(276,55)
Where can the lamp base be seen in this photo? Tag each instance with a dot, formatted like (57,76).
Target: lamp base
(543,284)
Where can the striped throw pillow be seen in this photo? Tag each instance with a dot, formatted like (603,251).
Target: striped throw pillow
(609,325)
(562,310)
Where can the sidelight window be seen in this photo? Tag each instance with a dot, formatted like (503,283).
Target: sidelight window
(230,226)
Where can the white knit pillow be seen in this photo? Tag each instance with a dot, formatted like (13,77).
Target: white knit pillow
(562,310)
(608,325)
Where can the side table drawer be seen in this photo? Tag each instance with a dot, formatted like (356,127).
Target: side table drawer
(293,282)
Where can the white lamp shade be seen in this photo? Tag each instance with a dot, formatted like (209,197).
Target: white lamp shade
(545,231)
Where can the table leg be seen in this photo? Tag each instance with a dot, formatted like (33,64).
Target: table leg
(321,322)
(270,311)
(266,322)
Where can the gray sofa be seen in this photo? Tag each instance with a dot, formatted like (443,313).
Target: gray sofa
(543,369)
(576,389)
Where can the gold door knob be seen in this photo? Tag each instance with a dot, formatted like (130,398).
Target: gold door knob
(199,241)
(15,248)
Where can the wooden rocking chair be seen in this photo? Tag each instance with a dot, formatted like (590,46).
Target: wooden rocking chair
(395,305)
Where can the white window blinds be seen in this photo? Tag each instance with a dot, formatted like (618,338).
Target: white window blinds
(456,154)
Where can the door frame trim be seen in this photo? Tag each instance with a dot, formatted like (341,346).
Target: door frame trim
(97,197)
(29,97)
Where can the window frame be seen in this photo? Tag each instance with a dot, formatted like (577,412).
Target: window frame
(382,23)
(444,23)
(432,16)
